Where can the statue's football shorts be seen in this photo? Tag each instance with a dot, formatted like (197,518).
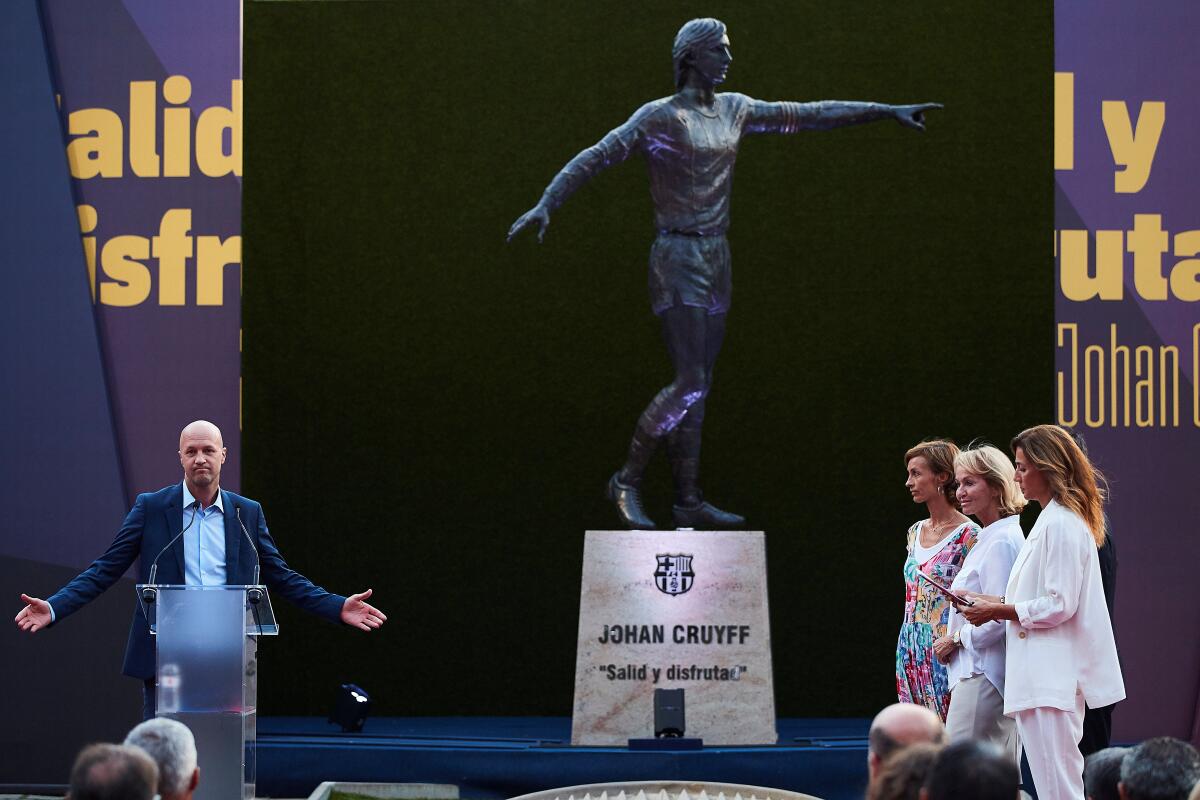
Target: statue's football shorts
(690,269)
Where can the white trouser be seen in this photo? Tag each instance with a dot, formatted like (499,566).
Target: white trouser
(977,712)
(1051,740)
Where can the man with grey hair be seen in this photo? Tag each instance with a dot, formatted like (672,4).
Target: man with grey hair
(173,748)
(898,726)
(1102,773)
(1164,768)
(112,772)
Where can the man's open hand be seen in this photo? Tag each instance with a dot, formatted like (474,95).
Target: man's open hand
(36,614)
(358,612)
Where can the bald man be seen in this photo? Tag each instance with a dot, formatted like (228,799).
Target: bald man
(898,726)
(212,551)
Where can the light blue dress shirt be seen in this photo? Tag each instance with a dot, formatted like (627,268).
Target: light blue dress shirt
(203,542)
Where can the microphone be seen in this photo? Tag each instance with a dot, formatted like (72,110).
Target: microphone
(150,594)
(253,595)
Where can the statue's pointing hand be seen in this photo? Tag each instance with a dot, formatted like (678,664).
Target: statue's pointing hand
(914,116)
(538,214)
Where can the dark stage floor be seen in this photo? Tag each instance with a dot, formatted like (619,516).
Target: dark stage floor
(498,757)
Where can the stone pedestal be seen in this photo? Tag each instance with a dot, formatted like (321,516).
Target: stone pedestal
(674,610)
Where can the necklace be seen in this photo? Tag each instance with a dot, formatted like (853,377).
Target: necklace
(937,528)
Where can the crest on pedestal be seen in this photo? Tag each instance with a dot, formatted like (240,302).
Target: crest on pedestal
(674,573)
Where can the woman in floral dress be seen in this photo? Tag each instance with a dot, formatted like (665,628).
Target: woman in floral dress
(937,546)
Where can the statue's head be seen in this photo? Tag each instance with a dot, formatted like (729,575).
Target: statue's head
(695,37)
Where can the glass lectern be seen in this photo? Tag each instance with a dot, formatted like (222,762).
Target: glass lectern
(207,641)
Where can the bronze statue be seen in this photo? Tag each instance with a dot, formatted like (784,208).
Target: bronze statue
(690,141)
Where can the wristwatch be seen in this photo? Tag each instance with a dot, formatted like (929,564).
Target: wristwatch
(957,638)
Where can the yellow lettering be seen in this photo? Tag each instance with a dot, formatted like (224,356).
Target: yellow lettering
(130,284)
(1147,241)
(211,257)
(143,127)
(211,157)
(1115,352)
(1165,353)
(1144,389)
(1074,276)
(88,219)
(1133,148)
(173,247)
(1195,372)
(1090,419)
(1185,275)
(1064,329)
(100,153)
(177,128)
(1064,120)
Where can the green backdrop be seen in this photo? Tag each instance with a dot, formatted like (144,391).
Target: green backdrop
(434,414)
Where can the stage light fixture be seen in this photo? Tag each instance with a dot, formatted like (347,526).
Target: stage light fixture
(351,707)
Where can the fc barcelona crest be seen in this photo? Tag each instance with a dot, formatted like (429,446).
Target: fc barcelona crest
(674,574)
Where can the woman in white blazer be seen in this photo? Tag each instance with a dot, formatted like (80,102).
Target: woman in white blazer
(1060,648)
(974,656)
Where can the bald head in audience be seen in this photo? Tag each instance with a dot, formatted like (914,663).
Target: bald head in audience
(897,726)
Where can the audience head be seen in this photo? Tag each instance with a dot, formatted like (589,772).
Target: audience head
(1160,769)
(986,475)
(1051,462)
(974,769)
(1102,773)
(930,466)
(903,774)
(897,726)
(173,749)
(113,772)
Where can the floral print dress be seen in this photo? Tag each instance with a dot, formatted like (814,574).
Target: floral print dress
(920,677)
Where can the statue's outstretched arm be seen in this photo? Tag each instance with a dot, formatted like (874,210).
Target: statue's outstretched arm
(614,148)
(785,117)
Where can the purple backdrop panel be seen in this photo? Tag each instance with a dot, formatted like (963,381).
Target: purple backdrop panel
(1127,118)
(151,104)
(60,480)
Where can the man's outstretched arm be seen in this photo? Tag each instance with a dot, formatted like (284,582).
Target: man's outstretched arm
(299,590)
(92,582)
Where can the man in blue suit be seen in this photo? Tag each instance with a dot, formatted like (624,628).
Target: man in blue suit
(215,549)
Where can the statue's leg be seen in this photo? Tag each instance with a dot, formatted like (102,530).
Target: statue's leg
(684,328)
(683,450)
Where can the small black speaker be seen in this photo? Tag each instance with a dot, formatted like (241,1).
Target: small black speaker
(668,713)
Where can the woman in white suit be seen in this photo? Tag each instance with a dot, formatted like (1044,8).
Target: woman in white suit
(974,656)
(1060,648)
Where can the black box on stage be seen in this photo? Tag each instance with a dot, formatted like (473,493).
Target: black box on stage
(668,713)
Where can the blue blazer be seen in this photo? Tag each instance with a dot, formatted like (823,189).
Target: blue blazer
(155,519)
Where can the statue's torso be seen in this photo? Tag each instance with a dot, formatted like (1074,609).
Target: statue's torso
(690,153)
